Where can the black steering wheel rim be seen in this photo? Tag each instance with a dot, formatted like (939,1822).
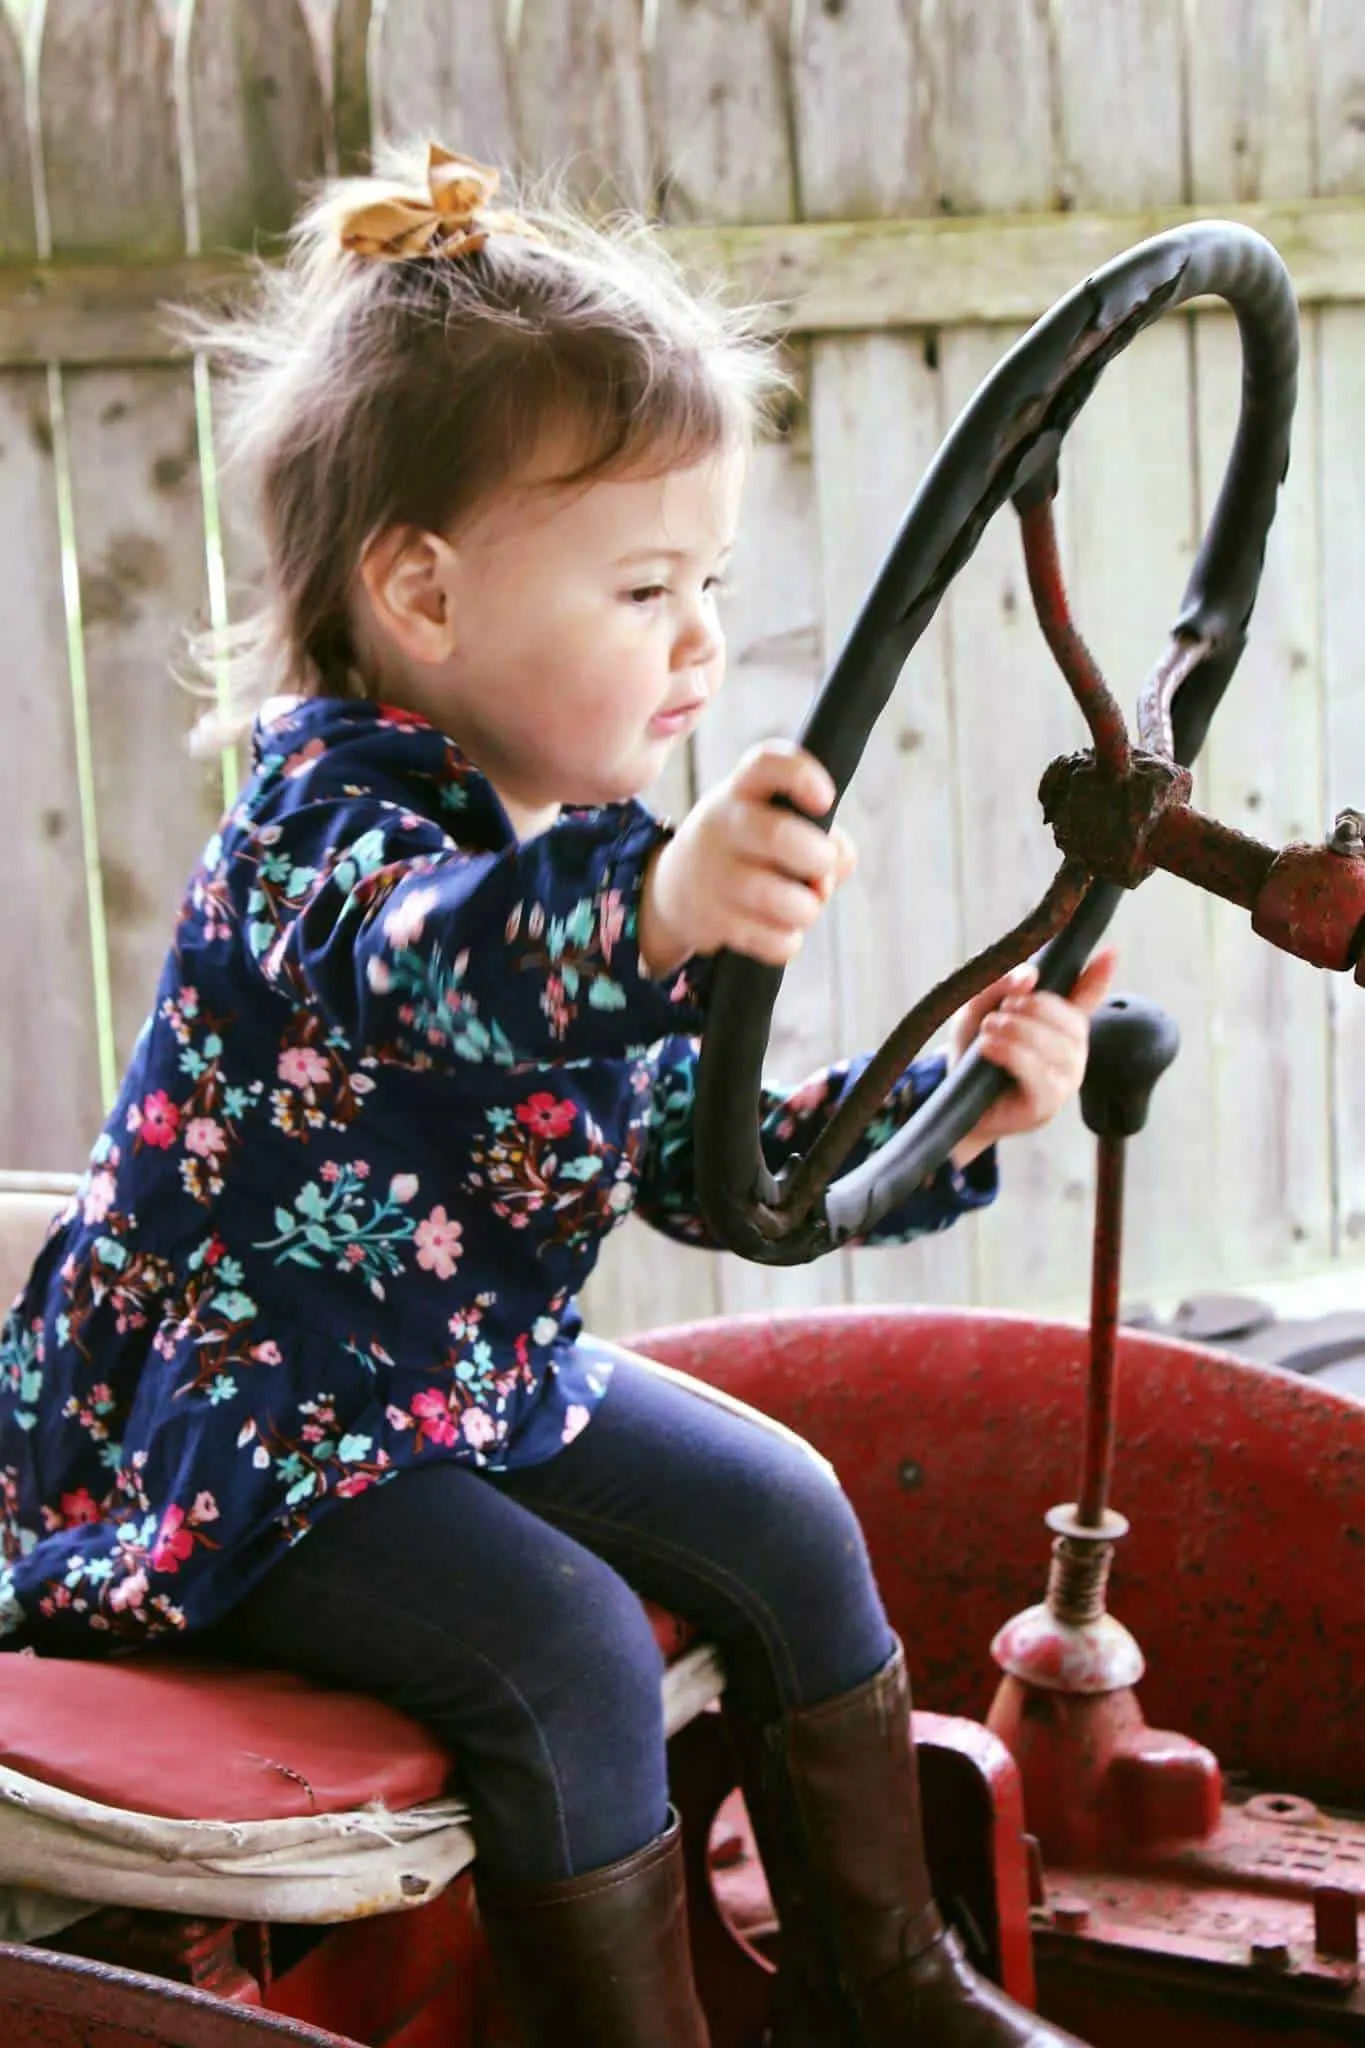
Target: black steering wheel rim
(1008,437)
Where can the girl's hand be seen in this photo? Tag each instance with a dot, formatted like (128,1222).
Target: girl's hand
(1040,1040)
(743,873)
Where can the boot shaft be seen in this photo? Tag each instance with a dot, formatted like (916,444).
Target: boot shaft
(602,1960)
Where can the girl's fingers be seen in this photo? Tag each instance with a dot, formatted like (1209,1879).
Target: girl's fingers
(778,768)
(776,839)
(774,946)
(1016,983)
(775,899)
(1055,1044)
(845,853)
(1095,981)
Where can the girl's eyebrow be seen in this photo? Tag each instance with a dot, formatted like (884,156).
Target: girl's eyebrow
(666,554)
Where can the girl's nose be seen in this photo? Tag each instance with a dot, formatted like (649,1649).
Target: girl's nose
(698,643)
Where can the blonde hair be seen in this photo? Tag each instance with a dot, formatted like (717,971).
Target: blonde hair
(360,394)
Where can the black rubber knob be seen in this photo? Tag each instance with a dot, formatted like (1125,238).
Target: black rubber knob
(1132,1042)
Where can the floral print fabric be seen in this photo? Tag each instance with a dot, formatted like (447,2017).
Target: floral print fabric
(401,1077)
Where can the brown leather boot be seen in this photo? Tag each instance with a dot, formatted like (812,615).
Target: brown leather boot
(602,1960)
(833,1794)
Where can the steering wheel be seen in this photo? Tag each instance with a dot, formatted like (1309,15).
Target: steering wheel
(1006,445)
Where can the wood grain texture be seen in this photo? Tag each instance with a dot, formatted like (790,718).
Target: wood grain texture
(132,444)
(1251,100)
(717,91)
(1131,505)
(989,107)
(1007,714)
(1340,151)
(49,1066)
(250,84)
(878,411)
(18,235)
(910,183)
(775,633)
(580,100)
(720,90)
(822,277)
(442,73)
(1012,714)
(1251,120)
(350,67)
(859,112)
(111,154)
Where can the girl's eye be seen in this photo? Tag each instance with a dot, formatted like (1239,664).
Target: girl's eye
(716,583)
(646,593)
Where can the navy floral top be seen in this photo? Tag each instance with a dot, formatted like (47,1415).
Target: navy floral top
(402,1076)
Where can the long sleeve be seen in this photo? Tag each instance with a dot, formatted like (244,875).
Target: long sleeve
(427,952)
(790,1121)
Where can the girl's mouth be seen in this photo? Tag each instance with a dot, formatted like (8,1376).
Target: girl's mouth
(667,723)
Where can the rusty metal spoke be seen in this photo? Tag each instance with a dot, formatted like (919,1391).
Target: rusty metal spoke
(809,1179)
(1098,704)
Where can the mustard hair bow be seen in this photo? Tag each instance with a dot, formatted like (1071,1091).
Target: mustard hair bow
(452,219)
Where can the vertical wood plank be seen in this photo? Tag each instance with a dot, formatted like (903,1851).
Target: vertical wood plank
(17,230)
(112,161)
(255,115)
(443,72)
(709,59)
(255,127)
(722,105)
(49,1066)
(1132,520)
(111,155)
(1340,95)
(990,105)
(1012,715)
(774,629)
(1005,711)
(1251,120)
(718,86)
(580,98)
(866,76)
(859,111)
(1251,100)
(351,84)
(1120,108)
(1340,87)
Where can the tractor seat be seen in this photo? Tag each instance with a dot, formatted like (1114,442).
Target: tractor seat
(184,1740)
(158,1782)
(154,1782)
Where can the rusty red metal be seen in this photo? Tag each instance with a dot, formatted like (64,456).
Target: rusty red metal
(1167,1916)
(1275,1888)
(1005,1864)
(1068,1643)
(1106,1271)
(1121,812)
(1313,905)
(51,2001)
(1215,857)
(1113,750)
(1099,1784)
(953,1430)
(1183,654)
(979,1857)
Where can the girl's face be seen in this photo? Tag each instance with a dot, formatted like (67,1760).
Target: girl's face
(567,637)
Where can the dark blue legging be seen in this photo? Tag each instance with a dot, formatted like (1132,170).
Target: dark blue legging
(501,1610)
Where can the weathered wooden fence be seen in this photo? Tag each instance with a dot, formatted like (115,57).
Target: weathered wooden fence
(913,181)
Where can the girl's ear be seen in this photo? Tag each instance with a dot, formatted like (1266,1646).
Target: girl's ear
(408,576)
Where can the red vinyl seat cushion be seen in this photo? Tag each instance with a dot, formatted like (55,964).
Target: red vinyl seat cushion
(188,1741)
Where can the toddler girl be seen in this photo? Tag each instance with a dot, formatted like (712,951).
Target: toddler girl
(424,1036)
